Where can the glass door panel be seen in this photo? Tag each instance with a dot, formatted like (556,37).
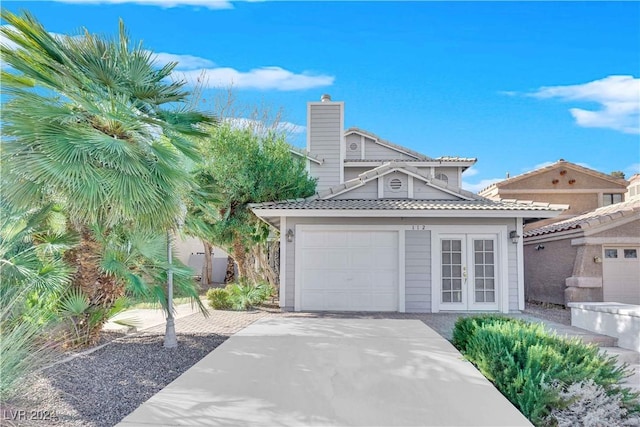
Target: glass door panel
(484,273)
(453,271)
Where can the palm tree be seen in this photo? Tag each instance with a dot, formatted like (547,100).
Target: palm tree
(92,123)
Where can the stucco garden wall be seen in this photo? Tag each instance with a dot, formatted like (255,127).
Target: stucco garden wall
(545,270)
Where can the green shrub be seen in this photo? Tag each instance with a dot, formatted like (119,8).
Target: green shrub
(245,295)
(239,296)
(522,360)
(465,327)
(219,299)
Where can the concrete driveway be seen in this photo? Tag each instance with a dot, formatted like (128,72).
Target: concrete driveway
(340,372)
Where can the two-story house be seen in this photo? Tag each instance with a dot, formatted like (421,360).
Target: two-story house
(391,229)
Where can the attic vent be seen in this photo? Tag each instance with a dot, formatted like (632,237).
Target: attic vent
(395,184)
(353,146)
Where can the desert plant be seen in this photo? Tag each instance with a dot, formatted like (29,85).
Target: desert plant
(83,318)
(588,404)
(245,295)
(94,124)
(32,274)
(219,299)
(239,296)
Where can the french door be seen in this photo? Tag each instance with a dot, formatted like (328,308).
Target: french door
(468,266)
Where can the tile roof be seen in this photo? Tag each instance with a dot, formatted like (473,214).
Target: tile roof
(407,204)
(590,219)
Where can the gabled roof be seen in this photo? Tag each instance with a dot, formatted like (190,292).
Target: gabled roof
(595,218)
(390,167)
(388,144)
(560,163)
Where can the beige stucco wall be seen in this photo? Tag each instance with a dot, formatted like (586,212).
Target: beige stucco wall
(582,191)
(546,270)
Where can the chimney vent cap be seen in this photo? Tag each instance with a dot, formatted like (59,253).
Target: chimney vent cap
(325,98)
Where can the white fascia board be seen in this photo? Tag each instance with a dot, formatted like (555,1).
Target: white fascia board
(425,163)
(309,158)
(394,213)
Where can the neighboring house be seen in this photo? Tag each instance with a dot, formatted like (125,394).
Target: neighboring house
(591,257)
(391,229)
(633,190)
(563,182)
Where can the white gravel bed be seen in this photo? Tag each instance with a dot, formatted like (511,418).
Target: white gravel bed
(101,388)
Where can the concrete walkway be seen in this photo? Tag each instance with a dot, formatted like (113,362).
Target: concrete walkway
(145,318)
(331,371)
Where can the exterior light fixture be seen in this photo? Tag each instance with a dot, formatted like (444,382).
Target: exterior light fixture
(539,247)
(513,235)
(289,235)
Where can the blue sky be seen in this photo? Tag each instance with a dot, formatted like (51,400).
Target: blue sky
(515,84)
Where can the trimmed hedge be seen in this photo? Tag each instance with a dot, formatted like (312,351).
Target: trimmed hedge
(526,363)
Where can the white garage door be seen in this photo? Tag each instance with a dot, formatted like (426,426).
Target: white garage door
(621,275)
(344,270)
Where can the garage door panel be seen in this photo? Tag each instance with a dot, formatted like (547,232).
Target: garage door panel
(386,239)
(360,239)
(348,270)
(338,259)
(621,275)
(360,279)
(360,259)
(385,280)
(386,258)
(334,300)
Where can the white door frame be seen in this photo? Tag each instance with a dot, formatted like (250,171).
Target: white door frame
(501,261)
(301,228)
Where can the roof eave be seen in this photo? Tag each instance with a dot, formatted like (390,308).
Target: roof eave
(408,213)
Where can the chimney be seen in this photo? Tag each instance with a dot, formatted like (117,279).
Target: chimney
(325,134)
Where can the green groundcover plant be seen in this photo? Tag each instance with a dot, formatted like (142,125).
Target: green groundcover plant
(239,296)
(534,368)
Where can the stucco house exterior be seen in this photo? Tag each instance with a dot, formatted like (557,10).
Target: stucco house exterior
(562,182)
(590,257)
(391,229)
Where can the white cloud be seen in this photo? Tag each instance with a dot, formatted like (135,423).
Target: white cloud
(618,97)
(472,171)
(482,184)
(185,62)
(263,78)
(165,4)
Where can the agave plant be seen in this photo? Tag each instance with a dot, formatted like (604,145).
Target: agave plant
(94,124)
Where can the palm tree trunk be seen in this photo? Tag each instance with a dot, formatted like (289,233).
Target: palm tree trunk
(240,256)
(100,290)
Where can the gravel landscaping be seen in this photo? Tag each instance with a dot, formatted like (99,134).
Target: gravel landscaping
(101,387)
